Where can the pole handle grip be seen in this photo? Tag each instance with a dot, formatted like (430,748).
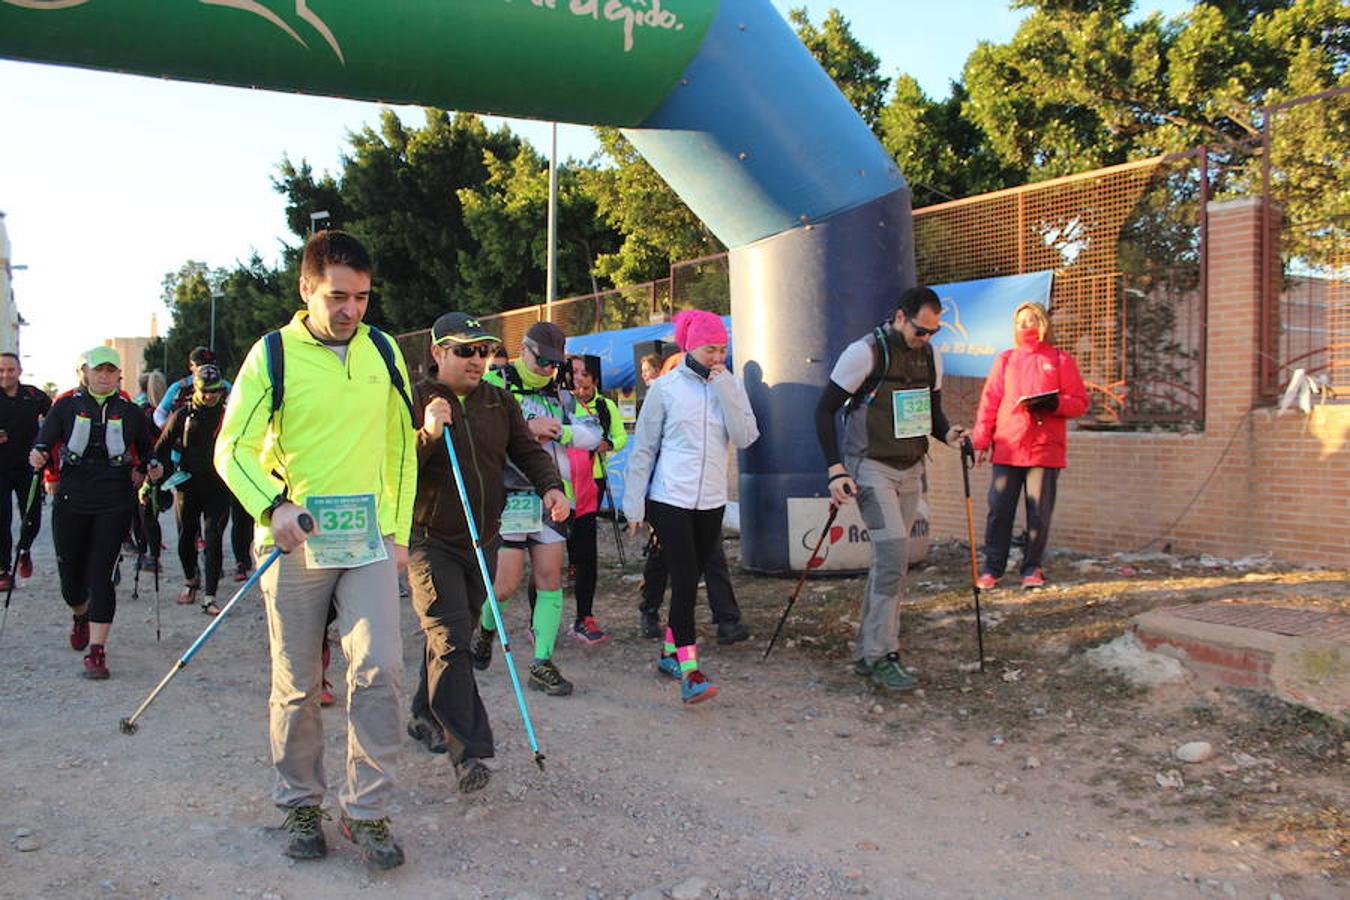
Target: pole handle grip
(306,523)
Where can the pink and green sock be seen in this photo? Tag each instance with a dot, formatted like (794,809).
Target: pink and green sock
(688,657)
(668,646)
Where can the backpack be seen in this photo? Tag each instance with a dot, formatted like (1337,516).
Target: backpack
(276,369)
(881,364)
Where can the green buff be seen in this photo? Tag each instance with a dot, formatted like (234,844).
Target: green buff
(548,610)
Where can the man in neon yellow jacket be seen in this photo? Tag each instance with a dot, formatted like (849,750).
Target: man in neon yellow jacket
(317,421)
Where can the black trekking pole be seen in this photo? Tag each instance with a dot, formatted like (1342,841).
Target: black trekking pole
(806,570)
(614,510)
(154,512)
(18,545)
(128,725)
(491,596)
(968,463)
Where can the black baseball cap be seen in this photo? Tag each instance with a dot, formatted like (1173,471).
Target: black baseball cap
(200,356)
(548,343)
(459,328)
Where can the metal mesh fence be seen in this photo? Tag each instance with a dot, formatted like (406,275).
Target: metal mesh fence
(1304,176)
(1131,317)
(703,283)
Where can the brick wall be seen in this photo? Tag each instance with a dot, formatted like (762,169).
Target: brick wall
(1283,485)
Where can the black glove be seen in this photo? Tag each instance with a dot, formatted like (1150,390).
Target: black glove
(1045,405)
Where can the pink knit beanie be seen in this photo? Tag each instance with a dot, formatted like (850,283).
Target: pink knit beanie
(697,328)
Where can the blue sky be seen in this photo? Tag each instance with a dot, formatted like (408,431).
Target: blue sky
(145,174)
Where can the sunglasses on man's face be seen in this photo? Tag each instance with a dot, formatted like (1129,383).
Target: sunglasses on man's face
(920,331)
(466,351)
(545,361)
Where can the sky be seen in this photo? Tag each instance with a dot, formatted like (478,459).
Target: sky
(146,174)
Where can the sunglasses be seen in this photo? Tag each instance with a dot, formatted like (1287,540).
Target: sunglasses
(467,351)
(920,331)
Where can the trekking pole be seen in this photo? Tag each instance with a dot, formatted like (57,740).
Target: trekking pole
(968,463)
(806,570)
(128,725)
(18,546)
(492,597)
(614,510)
(154,512)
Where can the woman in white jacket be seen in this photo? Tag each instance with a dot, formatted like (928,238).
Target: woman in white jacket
(676,478)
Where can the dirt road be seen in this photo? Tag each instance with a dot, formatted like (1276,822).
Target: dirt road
(797,782)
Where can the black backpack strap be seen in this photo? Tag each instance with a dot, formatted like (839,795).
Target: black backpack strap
(386,349)
(881,364)
(602,413)
(932,367)
(276,368)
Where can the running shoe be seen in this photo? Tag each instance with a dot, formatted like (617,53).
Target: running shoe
(96,663)
(668,666)
(326,698)
(25,567)
(1034,579)
(695,688)
(986,582)
(79,632)
(890,675)
(588,632)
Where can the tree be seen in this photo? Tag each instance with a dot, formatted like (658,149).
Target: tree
(853,68)
(657,228)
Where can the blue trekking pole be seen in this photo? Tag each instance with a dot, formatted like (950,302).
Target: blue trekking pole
(128,725)
(492,598)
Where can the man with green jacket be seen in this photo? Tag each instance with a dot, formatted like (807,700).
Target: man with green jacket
(340,444)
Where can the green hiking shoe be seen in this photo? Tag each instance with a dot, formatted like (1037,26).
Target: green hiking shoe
(544,676)
(890,675)
(862,668)
(480,648)
(304,832)
(378,846)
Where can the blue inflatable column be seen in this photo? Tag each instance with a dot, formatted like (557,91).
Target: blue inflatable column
(759,142)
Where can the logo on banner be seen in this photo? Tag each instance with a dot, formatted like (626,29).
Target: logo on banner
(852,534)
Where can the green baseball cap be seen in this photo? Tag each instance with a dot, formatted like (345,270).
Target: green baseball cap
(102,356)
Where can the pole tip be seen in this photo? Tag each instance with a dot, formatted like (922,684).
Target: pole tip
(539,760)
(126,726)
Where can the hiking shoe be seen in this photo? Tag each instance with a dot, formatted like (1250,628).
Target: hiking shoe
(732,633)
(96,663)
(695,688)
(25,567)
(480,648)
(889,674)
(1034,579)
(649,624)
(588,632)
(862,668)
(544,676)
(79,632)
(304,832)
(6,581)
(326,698)
(472,774)
(428,734)
(668,666)
(377,845)
(986,582)
(241,571)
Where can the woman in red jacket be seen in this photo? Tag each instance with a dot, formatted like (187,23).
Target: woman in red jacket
(1031,391)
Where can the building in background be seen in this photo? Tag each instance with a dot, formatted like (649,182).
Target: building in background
(9,313)
(132,351)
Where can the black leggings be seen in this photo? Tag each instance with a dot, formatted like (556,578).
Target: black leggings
(195,504)
(688,538)
(582,553)
(18,483)
(87,546)
(1006,487)
(145,530)
(241,533)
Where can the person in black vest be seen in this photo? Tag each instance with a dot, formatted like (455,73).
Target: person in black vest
(890,385)
(189,439)
(98,439)
(22,407)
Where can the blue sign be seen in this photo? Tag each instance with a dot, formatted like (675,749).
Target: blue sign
(977,318)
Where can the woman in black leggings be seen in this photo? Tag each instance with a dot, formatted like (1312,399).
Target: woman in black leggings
(98,439)
(676,478)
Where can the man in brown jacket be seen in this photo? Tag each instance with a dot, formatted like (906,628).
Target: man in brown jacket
(447,591)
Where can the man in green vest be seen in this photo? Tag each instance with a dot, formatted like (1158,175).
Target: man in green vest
(889,384)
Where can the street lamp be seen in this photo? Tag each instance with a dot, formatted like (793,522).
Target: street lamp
(214,294)
(315,218)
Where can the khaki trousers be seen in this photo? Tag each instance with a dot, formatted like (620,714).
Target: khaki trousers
(297,599)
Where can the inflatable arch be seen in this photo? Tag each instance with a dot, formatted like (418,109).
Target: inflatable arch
(719,95)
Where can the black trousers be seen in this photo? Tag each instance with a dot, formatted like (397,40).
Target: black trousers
(688,538)
(17,482)
(241,533)
(87,546)
(145,528)
(716,577)
(583,554)
(1005,489)
(198,504)
(448,597)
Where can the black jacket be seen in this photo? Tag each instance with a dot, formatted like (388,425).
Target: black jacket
(488,427)
(94,483)
(191,431)
(19,417)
